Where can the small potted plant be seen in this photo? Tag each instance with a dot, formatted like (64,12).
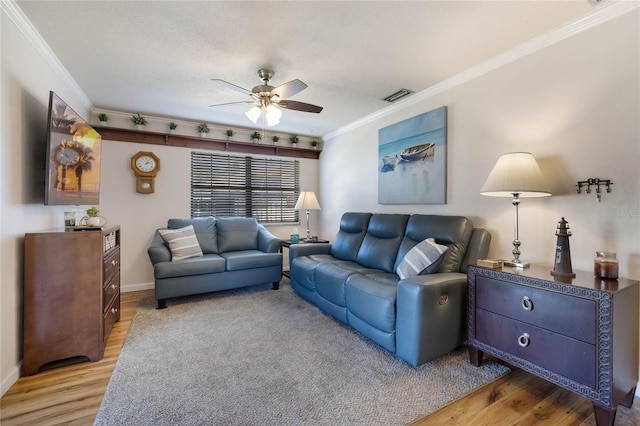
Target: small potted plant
(102,118)
(275,139)
(294,140)
(255,137)
(172,127)
(92,218)
(314,144)
(229,134)
(139,121)
(203,129)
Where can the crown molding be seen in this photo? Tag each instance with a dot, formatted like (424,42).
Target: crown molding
(601,14)
(13,11)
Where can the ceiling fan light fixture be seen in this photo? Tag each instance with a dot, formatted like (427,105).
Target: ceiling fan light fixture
(399,94)
(273,115)
(253,114)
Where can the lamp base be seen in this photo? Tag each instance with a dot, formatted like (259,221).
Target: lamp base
(515,264)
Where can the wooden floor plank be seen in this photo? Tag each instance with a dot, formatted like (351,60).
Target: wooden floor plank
(71,395)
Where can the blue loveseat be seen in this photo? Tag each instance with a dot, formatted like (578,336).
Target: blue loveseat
(354,280)
(235,252)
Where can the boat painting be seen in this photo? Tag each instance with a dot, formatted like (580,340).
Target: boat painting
(412,160)
(418,152)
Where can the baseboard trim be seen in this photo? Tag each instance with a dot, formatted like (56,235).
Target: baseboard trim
(127,288)
(13,377)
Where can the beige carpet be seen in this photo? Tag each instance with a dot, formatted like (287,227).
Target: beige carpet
(262,357)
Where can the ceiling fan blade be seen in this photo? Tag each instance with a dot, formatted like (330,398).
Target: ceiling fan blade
(299,106)
(232,103)
(289,89)
(232,86)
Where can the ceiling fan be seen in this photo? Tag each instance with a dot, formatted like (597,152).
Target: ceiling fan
(266,98)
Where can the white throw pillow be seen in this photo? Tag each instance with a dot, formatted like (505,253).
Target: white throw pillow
(420,257)
(183,242)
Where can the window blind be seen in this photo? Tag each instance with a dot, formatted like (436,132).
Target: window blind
(227,185)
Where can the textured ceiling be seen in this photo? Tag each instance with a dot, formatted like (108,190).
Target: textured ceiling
(158,58)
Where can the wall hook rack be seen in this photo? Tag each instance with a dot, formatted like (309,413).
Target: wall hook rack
(597,183)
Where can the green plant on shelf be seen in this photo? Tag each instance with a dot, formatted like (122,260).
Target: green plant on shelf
(138,120)
(203,128)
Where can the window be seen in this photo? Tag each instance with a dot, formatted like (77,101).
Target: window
(226,185)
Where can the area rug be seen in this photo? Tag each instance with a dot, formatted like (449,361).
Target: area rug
(261,357)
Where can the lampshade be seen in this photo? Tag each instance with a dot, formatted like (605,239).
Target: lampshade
(273,115)
(253,114)
(516,173)
(307,201)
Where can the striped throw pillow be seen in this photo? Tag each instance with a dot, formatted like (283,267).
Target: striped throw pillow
(420,257)
(182,242)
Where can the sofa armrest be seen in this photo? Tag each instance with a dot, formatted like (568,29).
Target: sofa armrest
(478,248)
(296,250)
(431,315)
(267,242)
(158,250)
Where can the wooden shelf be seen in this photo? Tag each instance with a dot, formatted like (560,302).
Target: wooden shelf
(193,142)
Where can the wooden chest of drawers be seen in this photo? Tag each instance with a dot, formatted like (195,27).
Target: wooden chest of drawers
(71,295)
(580,333)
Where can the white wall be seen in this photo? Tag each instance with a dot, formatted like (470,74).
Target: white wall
(574,105)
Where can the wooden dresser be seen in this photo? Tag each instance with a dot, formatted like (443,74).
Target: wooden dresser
(580,333)
(71,294)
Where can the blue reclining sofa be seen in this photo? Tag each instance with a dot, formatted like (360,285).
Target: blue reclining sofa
(226,253)
(354,279)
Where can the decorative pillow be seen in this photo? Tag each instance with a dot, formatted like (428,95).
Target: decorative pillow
(420,258)
(182,242)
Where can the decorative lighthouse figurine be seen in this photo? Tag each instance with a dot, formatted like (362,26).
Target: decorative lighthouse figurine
(562,264)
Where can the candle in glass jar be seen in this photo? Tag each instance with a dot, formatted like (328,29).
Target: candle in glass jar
(605,265)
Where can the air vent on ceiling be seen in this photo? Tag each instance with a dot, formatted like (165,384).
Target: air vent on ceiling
(398,95)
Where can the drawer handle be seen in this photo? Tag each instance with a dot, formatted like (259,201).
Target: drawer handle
(114,310)
(524,340)
(114,287)
(527,303)
(114,262)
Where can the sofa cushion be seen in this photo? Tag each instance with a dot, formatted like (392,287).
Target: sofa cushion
(451,231)
(382,240)
(204,228)
(237,233)
(372,301)
(249,259)
(182,242)
(207,264)
(353,227)
(424,257)
(330,278)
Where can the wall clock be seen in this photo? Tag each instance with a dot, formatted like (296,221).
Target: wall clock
(145,166)
(67,155)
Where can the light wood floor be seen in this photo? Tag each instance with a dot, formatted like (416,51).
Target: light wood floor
(71,395)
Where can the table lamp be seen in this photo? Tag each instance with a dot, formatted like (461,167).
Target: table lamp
(516,175)
(307,201)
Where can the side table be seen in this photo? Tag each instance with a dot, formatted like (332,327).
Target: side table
(580,333)
(287,243)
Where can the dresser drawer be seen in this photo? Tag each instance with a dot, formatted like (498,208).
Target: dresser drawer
(552,311)
(111,315)
(568,357)
(111,265)
(111,290)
